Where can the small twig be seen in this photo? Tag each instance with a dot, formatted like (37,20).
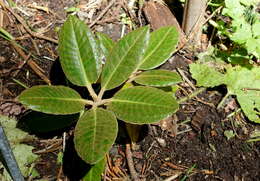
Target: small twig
(51,148)
(223,100)
(31,63)
(255,89)
(19,18)
(234,113)
(102,13)
(35,46)
(195,93)
(173,177)
(21,65)
(213,14)
(186,79)
(204,102)
(130,162)
(184,131)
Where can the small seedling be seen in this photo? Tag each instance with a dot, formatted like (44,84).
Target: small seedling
(127,62)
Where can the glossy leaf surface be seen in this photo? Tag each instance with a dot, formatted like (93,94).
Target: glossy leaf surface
(124,58)
(162,44)
(52,99)
(95,133)
(142,105)
(94,174)
(106,43)
(79,53)
(158,78)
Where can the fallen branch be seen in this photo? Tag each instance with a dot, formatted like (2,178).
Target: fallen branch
(130,163)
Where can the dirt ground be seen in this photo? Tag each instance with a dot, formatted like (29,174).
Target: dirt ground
(190,145)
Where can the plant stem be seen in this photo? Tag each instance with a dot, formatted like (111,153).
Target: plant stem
(223,100)
(104,101)
(100,94)
(88,102)
(234,113)
(133,76)
(92,92)
(195,93)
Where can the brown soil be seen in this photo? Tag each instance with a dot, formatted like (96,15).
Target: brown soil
(191,145)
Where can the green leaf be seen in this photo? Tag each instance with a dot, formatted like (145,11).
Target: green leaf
(240,81)
(52,99)
(95,133)
(242,33)
(205,75)
(94,174)
(72,9)
(229,134)
(250,104)
(158,78)
(105,42)
(162,44)
(143,105)
(244,83)
(256,29)
(79,53)
(124,58)
(253,46)
(234,9)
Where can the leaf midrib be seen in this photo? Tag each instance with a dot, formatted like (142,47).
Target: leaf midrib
(53,98)
(156,47)
(157,76)
(81,61)
(131,46)
(94,132)
(140,103)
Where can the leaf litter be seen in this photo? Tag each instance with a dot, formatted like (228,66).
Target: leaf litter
(207,146)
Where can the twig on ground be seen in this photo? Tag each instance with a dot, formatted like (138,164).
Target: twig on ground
(223,101)
(31,63)
(21,65)
(195,93)
(204,102)
(186,79)
(130,162)
(109,169)
(184,131)
(102,13)
(35,46)
(51,148)
(20,19)
(213,14)
(176,175)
